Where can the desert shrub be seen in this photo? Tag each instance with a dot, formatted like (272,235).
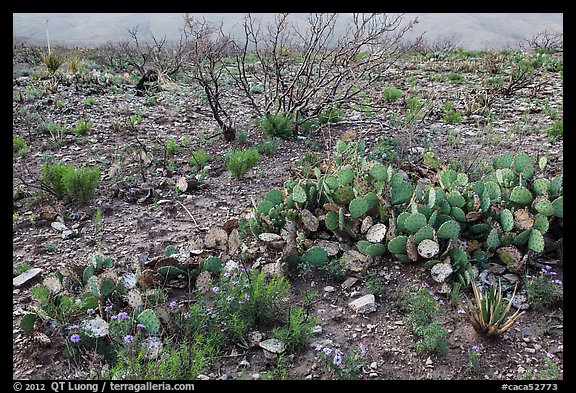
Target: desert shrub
(82,127)
(70,183)
(269,146)
(19,145)
(199,159)
(52,60)
(555,129)
(241,161)
(392,94)
(279,125)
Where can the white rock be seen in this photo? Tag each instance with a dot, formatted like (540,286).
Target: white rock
(364,304)
(376,233)
(25,277)
(329,288)
(273,345)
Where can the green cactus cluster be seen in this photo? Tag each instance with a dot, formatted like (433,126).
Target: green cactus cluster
(513,204)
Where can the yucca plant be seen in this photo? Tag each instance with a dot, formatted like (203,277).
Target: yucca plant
(52,61)
(488,313)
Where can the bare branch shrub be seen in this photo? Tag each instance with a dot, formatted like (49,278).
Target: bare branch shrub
(550,41)
(205,63)
(305,70)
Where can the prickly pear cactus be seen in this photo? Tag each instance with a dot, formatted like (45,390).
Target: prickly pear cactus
(426,232)
(545,207)
(315,256)
(507,220)
(331,221)
(521,195)
(540,186)
(449,230)
(398,245)
(107,287)
(343,195)
(150,321)
(415,222)
(536,241)
(358,207)
(493,239)
(299,194)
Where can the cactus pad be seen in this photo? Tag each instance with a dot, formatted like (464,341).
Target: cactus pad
(544,207)
(536,241)
(555,187)
(378,172)
(212,264)
(150,321)
(298,194)
(540,186)
(345,176)
(426,232)
(541,223)
(507,220)
(448,179)
(428,248)
(558,205)
(521,238)
(431,197)
(398,245)
(522,162)
(458,214)
(331,220)
(493,240)
(414,222)
(401,221)
(521,195)
(456,199)
(504,160)
(315,256)
(371,249)
(274,196)
(358,207)
(401,193)
(449,230)
(343,195)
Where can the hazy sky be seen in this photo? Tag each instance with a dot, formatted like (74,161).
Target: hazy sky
(474,30)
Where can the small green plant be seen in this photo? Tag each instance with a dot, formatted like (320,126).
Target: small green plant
(451,115)
(49,246)
(543,289)
(488,314)
(97,219)
(423,309)
(269,146)
(82,127)
(343,366)
(298,329)
(52,60)
(280,125)
(70,183)
(89,101)
(473,361)
(19,145)
(391,94)
(555,129)
(455,78)
(20,268)
(199,159)
(171,147)
(242,137)
(241,161)
(75,65)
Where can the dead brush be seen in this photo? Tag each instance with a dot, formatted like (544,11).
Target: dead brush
(488,312)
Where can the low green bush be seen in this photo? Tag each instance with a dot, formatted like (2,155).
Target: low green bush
(241,161)
(71,184)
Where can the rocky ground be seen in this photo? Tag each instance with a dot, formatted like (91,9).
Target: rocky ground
(134,224)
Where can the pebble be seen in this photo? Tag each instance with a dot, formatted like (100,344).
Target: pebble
(329,288)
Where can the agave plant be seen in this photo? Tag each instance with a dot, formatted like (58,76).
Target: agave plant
(488,313)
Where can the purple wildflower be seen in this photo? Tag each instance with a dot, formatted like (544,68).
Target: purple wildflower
(122,315)
(227,275)
(186,315)
(557,282)
(228,298)
(240,302)
(337,357)
(72,327)
(75,338)
(108,308)
(128,339)
(318,347)
(362,349)
(425,284)
(173,304)
(216,289)
(140,326)
(234,283)
(90,311)
(475,348)
(247,297)
(327,351)
(114,317)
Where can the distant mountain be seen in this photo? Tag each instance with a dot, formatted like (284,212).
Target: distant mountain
(474,31)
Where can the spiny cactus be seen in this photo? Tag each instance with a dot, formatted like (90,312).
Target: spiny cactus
(298,194)
(371,249)
(343,195)
(536,241)
(398,245)
(540,186)
(358,207)
(150,321)
(456,199)
(315,256)
(401,193)
(449,230)
(504,160)
(545,207)
(558,205)
(521,195)
(331,221)
(414,222)
(107,286)
(507,220)
(493,241)
(212,264)
(378,172)
(426,232)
